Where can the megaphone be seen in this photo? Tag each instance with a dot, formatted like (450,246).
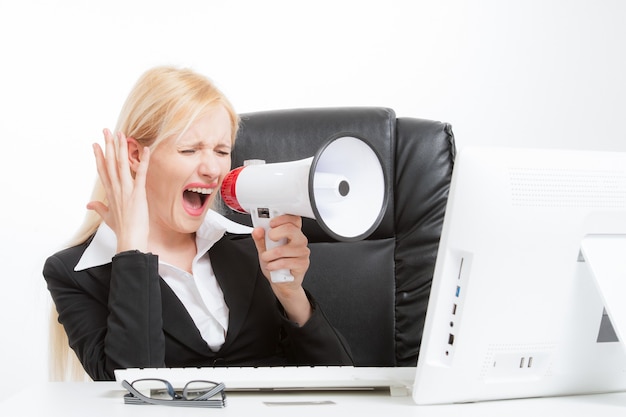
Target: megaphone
(342,187)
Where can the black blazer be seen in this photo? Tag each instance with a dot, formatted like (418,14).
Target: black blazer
(123,315)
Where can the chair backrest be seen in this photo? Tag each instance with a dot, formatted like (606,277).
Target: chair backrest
(374,291)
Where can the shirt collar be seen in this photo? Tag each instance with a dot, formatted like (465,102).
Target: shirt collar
(103,246)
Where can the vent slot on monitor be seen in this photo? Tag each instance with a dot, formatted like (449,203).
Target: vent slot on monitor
(567,188)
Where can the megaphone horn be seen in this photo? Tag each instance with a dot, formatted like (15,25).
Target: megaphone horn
(342,187)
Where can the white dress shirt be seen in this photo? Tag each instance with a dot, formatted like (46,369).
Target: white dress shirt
(199,292)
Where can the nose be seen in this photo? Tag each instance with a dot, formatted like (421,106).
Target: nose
(209,167)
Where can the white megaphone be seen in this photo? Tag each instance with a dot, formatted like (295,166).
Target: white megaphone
(342,187)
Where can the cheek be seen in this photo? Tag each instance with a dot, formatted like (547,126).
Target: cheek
(225,166)
(163,179)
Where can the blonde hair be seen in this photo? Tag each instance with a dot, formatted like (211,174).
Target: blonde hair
(164,102)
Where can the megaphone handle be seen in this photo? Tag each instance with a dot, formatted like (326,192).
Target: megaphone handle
(261,217)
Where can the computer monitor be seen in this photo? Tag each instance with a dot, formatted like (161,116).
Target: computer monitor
(517,309)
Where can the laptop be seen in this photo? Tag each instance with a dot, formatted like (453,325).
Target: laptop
(524,300)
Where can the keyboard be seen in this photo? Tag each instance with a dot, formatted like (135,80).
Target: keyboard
(397,379)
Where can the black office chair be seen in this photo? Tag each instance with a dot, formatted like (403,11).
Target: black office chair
(375,291)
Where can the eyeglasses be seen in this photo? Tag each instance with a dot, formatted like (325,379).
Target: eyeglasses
(194,394)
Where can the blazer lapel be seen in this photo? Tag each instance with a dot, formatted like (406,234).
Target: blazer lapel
(235,264)
(178,324)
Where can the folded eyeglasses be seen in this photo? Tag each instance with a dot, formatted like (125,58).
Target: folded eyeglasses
(196,393)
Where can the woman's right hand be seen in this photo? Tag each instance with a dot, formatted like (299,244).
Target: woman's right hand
(127,210)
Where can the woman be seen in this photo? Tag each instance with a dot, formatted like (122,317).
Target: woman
(156,278)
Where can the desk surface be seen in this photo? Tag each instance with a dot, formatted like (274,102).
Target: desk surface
(95,399)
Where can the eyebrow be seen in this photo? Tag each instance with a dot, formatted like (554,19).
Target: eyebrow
(203,144)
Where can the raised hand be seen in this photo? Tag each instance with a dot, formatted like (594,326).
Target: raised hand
(126,208)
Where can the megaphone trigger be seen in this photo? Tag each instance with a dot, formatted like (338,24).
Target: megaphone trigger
(261,217)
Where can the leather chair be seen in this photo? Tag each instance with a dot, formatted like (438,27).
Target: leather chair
(374,291)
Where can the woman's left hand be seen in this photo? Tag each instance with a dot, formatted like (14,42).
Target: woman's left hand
(293,256)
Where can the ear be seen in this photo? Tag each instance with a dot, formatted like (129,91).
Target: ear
(134,154)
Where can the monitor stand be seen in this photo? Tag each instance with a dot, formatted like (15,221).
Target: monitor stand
(605,256)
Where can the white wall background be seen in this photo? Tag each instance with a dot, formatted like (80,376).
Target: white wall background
(539,73)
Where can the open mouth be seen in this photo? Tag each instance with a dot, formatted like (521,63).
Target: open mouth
(195,198)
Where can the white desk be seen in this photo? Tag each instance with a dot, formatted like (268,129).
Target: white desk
(96,399)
